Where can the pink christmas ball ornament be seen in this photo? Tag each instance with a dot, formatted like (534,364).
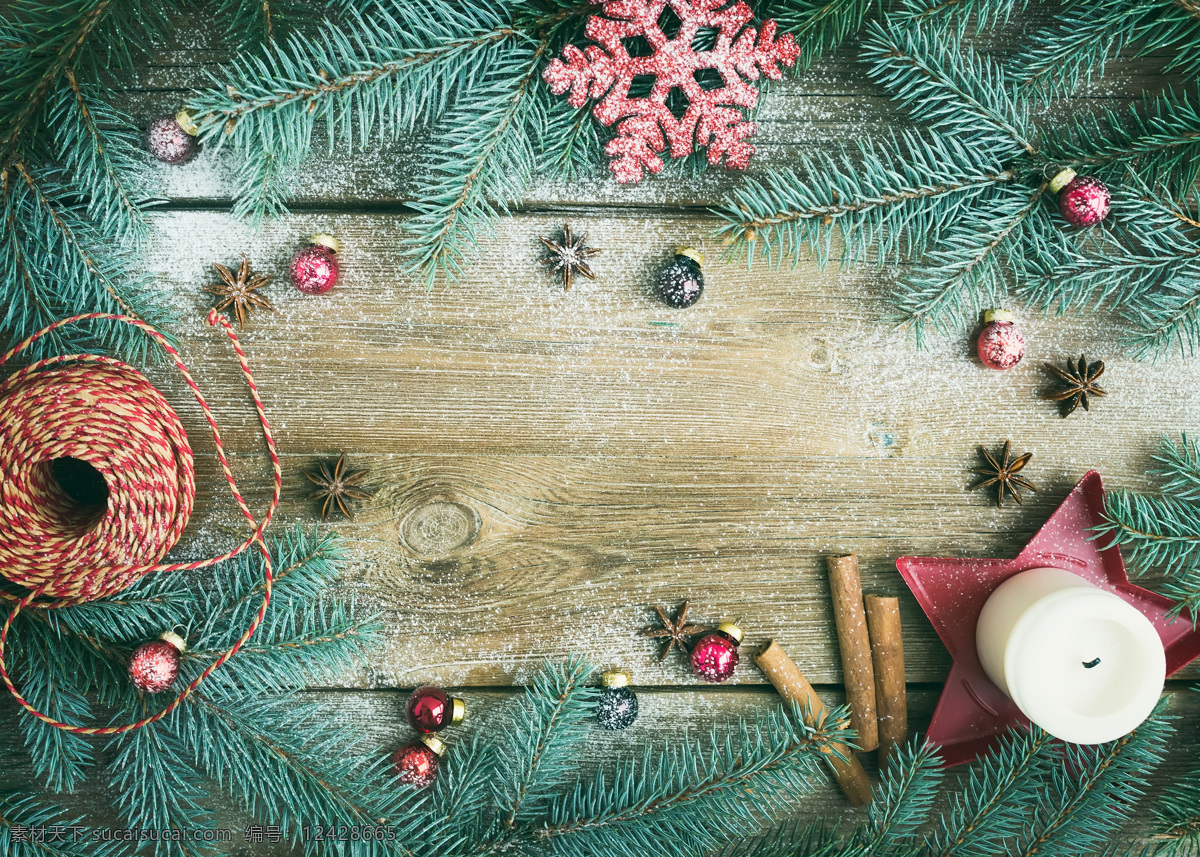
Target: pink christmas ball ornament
(314,270)
(1082,200)
(1001,344)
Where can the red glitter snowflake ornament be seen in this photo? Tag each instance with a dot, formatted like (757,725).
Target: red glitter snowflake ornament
(714,118)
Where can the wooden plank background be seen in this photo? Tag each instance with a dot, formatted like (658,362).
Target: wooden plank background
(550,465)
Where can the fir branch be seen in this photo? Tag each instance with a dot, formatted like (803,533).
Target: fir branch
(366,82)
(54,680)
(1177,815)
(1162,530)
(995,798)
(965,269)
(22,814)
(1158,141)
(905,797)
(487,166)
(1091,792)
(157,787)
(818,26)
(959,13)
(891,200)
(947,84)
(1071,51)
(282,762)
(1180,466)
(1167,320)
(541,736)
(667,800)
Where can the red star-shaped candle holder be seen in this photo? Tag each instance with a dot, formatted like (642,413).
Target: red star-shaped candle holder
(973,713)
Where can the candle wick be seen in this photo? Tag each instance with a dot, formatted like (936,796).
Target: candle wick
(1087,665)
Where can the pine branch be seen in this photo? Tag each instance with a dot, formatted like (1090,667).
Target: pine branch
(1158,141)
(670,798)
(905,797)
(365,83)
(965,270)
(818,26)
(945,83)
(1163,530)
(995,798)
(1092,792)
(21,815)
(541,736)
(891,200)
(486,168)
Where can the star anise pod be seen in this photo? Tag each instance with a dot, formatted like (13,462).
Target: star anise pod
(1003,473)
(240,292)
(676,631)
(337,487)
(1079,384)
(570,256)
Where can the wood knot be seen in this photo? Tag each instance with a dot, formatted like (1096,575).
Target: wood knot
(439,527)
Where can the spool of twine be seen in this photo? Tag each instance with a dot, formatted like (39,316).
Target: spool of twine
(100,416)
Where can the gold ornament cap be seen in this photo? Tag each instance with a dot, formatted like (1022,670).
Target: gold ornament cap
(731,630)
(326,240)
(434,743)
(615,678)
(458,710)
(1001,315)
(1061,179)
(187,122)
(691,253)
(175,640)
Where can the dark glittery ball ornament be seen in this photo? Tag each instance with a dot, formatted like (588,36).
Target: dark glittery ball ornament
(681,283)
(617,706)
(172,139)
(1082,200)
(417,764)
(314,269)
(1000,345)
(431,709)
(154,666)
(715,655)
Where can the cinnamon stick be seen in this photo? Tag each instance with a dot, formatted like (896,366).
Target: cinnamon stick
(794,687)
(887,654)
(858,672)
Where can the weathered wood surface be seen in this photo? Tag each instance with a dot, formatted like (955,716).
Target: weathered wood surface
(550,465)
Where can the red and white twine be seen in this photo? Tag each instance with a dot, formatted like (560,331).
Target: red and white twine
(106,413)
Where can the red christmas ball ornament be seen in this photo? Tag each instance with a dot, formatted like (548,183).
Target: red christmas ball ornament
(1082,200)
(715,655)
(1000,345)
(155,665)
(431,709)
(417,764)
(172,139)
(315,268)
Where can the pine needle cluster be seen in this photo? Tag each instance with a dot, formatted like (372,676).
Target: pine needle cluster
(464,76)
(1032,795)
(244,737)
(963,199)
(73,165)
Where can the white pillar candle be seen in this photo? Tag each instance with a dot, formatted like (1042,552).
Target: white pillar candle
(1077,660)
